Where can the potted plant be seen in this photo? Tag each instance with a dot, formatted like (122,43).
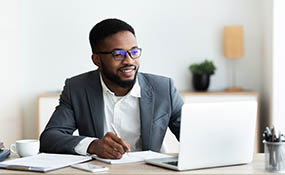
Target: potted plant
(201,74)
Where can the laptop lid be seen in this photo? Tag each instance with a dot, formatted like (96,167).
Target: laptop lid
(217,133)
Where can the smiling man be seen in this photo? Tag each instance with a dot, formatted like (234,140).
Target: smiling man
(115,108)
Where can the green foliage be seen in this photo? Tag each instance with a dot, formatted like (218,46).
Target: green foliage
(206,67)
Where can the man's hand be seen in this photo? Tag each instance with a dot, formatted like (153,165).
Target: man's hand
(110,147)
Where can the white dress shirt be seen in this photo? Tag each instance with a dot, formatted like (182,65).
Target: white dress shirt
(124,113)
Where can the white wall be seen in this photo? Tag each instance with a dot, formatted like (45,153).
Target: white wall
(173,34)
(267,62)
(278,65)
(10,72)
(273,84)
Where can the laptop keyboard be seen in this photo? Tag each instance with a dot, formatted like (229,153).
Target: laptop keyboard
(175,163)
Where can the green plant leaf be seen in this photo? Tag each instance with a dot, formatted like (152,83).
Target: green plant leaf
(206,67)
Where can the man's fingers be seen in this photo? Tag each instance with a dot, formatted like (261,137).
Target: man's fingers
(111,153)
(128,147)
(109,140)
(124,144)
(105,148)
(118,140)
(114,146)
(111,146)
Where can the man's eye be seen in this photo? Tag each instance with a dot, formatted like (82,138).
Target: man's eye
(134,52)
(117,54)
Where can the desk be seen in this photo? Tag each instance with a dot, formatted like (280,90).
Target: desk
(256,167)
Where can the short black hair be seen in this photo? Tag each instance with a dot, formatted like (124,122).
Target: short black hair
(106,28)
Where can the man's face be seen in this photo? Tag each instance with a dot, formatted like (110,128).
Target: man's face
(122,73)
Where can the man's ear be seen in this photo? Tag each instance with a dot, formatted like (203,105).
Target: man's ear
(96,60)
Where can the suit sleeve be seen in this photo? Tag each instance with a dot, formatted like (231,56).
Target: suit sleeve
(176,105)
(57,136)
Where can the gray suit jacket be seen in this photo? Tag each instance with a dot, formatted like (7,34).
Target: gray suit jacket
(82,107)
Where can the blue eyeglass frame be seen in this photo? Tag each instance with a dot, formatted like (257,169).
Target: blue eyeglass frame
(123,52)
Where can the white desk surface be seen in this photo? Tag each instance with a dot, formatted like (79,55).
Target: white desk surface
(256,167)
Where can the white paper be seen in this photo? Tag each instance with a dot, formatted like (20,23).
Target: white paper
(131,157)
(46,162)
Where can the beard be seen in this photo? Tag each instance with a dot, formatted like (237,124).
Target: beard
(116,79)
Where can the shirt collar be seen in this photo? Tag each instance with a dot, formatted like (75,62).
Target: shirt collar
(135,91)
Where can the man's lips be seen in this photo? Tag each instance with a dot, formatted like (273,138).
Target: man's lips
(127,69)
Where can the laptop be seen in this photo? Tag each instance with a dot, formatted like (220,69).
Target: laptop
(214,134)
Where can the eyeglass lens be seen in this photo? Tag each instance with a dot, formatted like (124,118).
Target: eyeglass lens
(121,54)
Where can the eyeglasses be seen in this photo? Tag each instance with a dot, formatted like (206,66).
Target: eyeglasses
(120,54)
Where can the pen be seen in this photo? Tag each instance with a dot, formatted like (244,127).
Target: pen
(115,130)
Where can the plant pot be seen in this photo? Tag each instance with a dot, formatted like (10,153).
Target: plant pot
(201,82)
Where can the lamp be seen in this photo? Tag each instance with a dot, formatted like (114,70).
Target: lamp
(233,49)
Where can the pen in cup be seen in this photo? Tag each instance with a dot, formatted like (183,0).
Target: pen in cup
(116,131)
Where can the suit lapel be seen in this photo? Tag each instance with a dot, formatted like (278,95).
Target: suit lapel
(96,104)
(146,112)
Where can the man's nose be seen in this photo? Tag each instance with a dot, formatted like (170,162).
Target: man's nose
(128,59)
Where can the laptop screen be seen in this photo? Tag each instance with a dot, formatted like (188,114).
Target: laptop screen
(217,133)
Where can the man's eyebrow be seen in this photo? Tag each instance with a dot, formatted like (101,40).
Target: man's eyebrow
(123,49)
(134,47)
(118,49)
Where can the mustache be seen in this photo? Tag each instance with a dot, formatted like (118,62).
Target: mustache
(134,67)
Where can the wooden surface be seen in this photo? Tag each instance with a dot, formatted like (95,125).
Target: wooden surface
(214,93)
(256,167)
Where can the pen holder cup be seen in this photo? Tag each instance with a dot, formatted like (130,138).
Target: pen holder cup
(274,156)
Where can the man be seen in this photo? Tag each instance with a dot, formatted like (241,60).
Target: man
(115,108)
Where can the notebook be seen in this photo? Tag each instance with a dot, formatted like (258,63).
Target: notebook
(43,162)
(132,157)
(214,134)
